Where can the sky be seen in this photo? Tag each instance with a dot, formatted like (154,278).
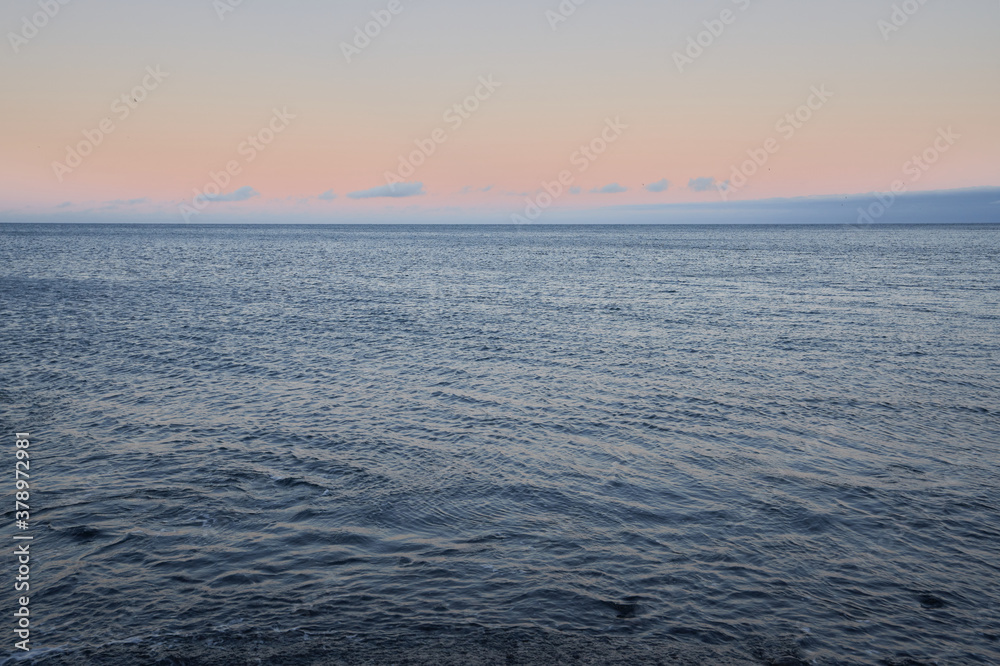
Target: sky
(527,111)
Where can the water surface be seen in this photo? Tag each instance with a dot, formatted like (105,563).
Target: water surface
(729,443)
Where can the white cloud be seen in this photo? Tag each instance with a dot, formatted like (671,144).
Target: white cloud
(701,184)
(659,186)
(241,194)
(613,188)
(123,202)
(398,190)
(468,189)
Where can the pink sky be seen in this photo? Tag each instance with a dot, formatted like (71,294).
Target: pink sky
(551,87)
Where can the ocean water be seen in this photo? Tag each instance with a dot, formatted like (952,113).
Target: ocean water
(746,445)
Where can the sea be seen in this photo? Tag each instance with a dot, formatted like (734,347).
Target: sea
(768,445)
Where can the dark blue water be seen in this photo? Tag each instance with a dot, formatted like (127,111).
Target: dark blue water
(750,443)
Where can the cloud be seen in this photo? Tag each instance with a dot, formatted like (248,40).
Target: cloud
(575,190)
(397,190)
(613,188)
(973,205)
(241,194)
(468,189)
(701,184)
(659,186)
(327,196)
(65,204)
(121,202)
